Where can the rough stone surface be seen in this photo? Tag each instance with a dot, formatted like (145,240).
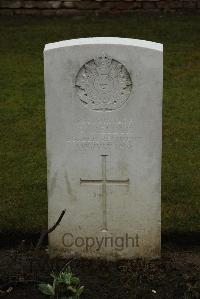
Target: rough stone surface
(10,4)
(97,7)
(104,122)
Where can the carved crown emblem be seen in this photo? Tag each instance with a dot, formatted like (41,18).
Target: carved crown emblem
(103,83)
(103,64)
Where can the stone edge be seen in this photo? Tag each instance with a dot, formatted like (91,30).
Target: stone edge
(105,41)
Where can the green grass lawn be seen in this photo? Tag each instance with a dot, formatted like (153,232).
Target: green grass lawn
(22,126)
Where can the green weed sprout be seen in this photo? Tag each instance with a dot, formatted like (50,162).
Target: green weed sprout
(65,286)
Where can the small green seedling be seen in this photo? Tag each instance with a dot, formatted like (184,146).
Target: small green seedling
(65,286)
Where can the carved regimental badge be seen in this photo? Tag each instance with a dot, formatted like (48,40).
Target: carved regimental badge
(103,84)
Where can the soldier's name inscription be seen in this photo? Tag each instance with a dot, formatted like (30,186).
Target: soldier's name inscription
(104,135)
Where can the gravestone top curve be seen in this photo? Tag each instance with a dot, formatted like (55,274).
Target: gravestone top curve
(105,40)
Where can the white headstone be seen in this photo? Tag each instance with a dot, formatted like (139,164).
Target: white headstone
(104,125)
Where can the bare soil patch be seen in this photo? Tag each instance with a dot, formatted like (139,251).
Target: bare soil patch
(176,275)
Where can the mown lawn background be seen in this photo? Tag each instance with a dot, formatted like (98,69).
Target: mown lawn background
(23,194)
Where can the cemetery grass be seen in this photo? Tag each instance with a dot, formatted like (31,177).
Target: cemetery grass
(22,125)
